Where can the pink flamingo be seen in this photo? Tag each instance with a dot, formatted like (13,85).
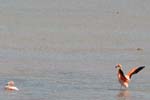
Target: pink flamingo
(125,79)
(11,86)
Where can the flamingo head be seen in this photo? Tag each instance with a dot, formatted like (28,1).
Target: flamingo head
(11,83)
(118,66)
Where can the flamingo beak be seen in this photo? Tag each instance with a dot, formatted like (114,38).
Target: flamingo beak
(116,66)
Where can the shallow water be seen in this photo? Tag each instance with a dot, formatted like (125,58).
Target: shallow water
(67,50)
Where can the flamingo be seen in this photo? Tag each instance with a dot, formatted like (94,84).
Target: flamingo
(11,86)
(125,79)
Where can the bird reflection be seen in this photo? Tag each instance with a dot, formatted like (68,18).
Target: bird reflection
(123,95)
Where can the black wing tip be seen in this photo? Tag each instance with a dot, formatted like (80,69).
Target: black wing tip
(142,67)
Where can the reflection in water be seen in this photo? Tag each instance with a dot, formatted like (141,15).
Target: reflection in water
(124,95)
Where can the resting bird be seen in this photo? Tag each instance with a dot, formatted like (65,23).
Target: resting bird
(125,79)
(11,86)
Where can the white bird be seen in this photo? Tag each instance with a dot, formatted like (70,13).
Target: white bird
(11,86)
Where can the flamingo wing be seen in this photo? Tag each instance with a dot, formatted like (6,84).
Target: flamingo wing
(122,76)
(135,70)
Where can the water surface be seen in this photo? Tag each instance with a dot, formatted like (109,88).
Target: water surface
(68,49)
